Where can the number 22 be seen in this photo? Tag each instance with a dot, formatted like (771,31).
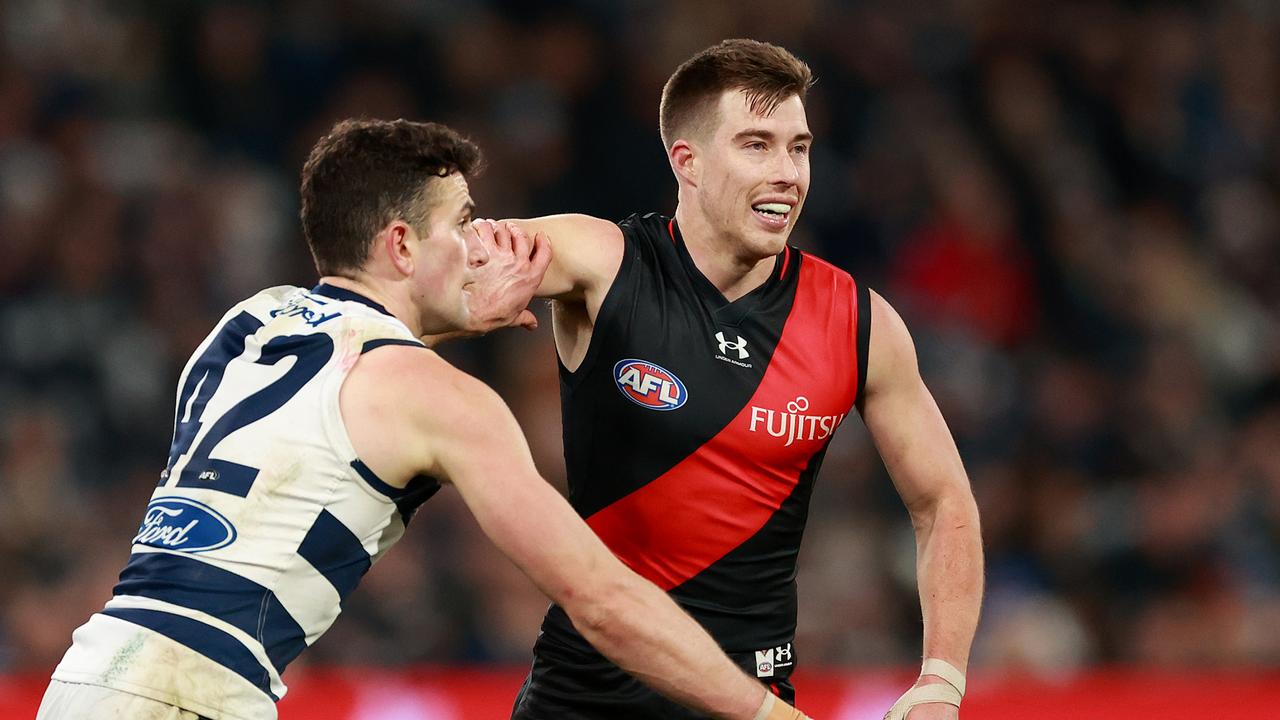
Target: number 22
(311,353)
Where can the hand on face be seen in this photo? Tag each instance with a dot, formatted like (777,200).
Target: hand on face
(504,275)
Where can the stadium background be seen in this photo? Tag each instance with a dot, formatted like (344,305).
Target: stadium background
(1073,204)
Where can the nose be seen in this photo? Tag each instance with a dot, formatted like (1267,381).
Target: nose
(477,253)
(786,171)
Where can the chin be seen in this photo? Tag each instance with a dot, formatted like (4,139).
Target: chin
(767,244)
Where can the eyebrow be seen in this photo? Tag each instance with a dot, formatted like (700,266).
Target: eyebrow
(768,135)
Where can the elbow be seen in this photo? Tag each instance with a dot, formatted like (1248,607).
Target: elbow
(960,520)
(955,510)
(965,513)
(597,608)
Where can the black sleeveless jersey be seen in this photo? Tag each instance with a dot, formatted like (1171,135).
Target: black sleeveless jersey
(693,431)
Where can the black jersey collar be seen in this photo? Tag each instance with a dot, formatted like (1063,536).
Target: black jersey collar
(732,311)
(337,293)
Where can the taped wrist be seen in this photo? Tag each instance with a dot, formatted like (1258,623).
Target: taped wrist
(946,671)
(774,709)
(951,693)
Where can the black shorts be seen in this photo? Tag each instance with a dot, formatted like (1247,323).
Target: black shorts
(573,687)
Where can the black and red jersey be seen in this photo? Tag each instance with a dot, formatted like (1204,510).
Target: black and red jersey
(693,430)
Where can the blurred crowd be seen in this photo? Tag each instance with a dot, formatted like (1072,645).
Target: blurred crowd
(1073,205)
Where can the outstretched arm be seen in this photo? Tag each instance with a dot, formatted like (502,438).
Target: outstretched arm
(455,428)
(587,254)
(627,619)
(921,456)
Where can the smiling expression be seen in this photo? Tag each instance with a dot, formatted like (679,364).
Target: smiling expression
(753,173)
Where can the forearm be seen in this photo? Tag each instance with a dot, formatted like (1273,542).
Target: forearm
(949,567)
(644,632)
(629,620)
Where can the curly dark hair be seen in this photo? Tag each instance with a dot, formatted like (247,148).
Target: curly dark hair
(365,173)
(767,73)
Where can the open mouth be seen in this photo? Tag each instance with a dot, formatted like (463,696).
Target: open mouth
(774,214)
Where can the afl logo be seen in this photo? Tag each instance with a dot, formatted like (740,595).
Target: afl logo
(177,523)
(648,385)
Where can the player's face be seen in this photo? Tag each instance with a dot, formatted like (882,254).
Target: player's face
(447,251)
(754,173)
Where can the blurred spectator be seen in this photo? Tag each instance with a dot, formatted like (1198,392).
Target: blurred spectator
(1073,205)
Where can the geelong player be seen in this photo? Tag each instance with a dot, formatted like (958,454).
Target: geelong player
(705,365)
(308,427)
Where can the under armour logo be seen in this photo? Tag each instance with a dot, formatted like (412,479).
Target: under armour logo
(726,346)
(783,655)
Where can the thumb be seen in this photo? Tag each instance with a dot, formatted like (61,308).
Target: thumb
(527,320)
(541,256)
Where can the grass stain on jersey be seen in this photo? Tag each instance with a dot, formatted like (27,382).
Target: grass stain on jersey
(124,657)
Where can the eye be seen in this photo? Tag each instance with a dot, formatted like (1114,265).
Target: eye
(800,150)
(757,145)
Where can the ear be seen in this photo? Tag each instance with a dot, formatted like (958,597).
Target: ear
(684,162)
(396,240)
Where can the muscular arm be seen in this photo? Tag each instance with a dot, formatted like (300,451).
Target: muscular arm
(587,253)
(458,430)
(921,457)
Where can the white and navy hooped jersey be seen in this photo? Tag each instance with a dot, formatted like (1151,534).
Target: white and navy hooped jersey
(264,518)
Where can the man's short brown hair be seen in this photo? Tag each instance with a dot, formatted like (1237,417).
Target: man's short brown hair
(767,74)
(366,173)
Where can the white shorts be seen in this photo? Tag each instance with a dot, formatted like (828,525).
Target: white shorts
(78,701)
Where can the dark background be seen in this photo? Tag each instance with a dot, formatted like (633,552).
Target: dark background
(1073,204)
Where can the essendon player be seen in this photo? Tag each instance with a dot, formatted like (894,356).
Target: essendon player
(705,365)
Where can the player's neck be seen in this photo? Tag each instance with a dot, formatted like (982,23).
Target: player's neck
(719,257)
(369,289)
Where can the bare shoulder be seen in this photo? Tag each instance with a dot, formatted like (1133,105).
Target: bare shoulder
(892,353)
(389,371)
(402,404)
(416,381)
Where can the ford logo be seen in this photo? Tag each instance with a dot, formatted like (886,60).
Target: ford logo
(178,523)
